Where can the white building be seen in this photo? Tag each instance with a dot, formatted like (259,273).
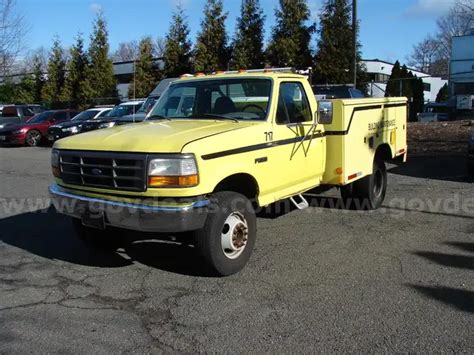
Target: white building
(379,72)
(461,67)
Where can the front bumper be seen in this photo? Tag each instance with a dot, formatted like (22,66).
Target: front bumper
(57,134)
(11,139)
(180,217)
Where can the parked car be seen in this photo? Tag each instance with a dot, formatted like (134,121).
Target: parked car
(126,108)
(149,102)
(13,114)
(68,128)
(327,92)
(31,133)
(434,112)
(470,156)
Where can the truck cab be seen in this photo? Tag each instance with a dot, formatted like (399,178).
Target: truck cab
(217,147)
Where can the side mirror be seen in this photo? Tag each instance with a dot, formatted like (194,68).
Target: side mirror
(324,113)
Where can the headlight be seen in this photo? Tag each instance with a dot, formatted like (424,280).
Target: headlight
(73,129)
(173,172)
(19,131)
(55,162)
(107,125)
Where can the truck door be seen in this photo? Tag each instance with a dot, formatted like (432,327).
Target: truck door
(298,153)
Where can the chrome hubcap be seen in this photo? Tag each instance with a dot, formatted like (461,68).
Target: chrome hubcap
(234,235)
(33,138)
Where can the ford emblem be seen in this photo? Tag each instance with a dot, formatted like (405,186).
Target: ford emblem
(96,171)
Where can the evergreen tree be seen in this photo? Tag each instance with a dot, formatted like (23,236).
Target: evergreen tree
(76,89)
(211,52)
(24,91)
(290,42)
(418,97)
(7,91)
(406,78)
(146,71)
(39,79)
(443,94)
(393,85)
(177,55)
(334,57)
(249,36)
(403,83)
(100,73)
(56,75)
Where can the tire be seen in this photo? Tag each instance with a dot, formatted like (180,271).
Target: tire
(109,238)
(370,191)
(227,239)
(33,138)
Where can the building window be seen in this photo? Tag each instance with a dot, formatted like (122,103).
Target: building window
(427,86)
(378,77)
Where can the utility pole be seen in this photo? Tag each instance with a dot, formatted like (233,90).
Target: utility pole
(354,40)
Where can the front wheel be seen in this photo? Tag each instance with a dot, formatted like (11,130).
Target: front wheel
(227,239)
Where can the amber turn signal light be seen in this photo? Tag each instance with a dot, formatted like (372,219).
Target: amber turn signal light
(173,181)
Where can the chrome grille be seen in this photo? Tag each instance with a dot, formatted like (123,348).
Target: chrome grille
(121,171)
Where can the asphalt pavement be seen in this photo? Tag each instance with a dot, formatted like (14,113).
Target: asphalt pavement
(399,279)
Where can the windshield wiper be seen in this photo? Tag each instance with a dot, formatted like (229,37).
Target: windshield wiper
(213,115)
(158,117)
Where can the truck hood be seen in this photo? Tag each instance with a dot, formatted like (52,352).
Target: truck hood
(149,136)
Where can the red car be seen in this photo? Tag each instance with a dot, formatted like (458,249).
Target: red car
(31,133)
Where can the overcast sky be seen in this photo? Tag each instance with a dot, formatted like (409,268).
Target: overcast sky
(389,28)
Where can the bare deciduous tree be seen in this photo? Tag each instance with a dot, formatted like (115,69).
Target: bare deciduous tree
(433,53)
(27,64)
(126,51)
(12,32)
(159,47)
(424,54)
(457,22)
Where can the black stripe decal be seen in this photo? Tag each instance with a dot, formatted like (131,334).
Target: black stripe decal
(356,109)
(395,105)
(296,139)
(252,148)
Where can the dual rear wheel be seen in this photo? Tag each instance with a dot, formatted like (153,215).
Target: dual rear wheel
(369,192)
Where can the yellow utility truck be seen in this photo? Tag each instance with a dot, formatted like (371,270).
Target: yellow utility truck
(217,147)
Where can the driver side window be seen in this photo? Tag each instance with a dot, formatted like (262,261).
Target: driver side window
(60,116)
(293,105)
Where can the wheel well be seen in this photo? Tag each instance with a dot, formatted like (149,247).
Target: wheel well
(241,183)
(384,152)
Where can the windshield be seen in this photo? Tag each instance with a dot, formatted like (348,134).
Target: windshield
(42,117)
(241,99)
(122,110)
(147,105)
(85,115)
